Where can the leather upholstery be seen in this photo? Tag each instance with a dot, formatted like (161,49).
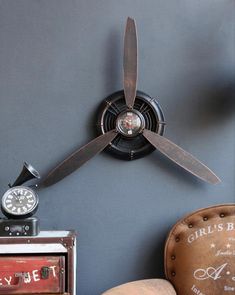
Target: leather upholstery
(144,287)
(200,252)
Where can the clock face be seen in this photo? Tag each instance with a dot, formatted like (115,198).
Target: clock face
(130,123)
(19,202)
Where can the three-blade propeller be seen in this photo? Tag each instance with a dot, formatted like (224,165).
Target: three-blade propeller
(165,146)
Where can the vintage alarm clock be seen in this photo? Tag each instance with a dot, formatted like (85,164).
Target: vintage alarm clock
(18,204)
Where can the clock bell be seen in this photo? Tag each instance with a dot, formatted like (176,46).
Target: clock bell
(19,204)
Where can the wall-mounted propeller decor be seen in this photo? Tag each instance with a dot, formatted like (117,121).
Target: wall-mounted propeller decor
(131,125)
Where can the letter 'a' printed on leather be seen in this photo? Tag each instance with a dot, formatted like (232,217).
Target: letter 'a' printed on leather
(200,252)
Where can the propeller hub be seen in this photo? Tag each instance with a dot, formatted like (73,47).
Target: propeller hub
(130,123)
(146,108)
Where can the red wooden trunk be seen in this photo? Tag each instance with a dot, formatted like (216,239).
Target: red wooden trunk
(32,274)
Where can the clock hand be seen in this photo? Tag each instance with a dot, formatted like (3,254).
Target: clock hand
(130,63)
(180,157)
(78,158)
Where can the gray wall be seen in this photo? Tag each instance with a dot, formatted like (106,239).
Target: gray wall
(58,60)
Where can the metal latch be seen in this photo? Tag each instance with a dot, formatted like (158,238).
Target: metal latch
(45,272)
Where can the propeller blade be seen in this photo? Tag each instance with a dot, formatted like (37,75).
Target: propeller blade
(130,62)
(181,157)
(78,158)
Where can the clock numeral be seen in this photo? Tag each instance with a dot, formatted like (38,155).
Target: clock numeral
(19,201)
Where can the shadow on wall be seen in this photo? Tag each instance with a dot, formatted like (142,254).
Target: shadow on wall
(218,105)
(154,265)
(151,263)
(214,88)
(113,62)
(164,165)
(112,79)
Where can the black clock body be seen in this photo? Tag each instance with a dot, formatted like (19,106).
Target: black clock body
(19,227)
(130,148)
(19,202)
